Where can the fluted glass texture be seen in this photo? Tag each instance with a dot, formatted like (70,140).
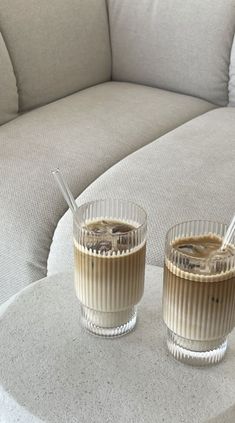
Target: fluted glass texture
(198,292)
(109,252)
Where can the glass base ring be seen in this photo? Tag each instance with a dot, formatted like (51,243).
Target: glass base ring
(108,324)
(196,353)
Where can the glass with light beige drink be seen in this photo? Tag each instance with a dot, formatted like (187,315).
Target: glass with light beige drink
(109,255)
(198,292)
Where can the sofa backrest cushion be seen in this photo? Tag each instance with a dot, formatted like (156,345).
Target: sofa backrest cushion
(57,47)
(8,89)
(178,45)
(232,76)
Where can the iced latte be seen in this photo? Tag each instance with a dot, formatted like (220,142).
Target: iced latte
(109,255)
(198,295)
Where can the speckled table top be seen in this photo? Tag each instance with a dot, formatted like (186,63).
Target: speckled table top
(53,371)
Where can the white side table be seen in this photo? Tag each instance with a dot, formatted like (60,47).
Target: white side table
(53,371)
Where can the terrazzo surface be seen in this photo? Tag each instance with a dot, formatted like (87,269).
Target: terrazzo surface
(51,370)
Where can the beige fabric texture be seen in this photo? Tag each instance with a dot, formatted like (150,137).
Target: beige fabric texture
(57,47)
(8,89)
(84,134)
(232,76)
(178,45)
(187,174)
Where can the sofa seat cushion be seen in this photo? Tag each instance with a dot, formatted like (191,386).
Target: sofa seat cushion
(187,174)
(84,134)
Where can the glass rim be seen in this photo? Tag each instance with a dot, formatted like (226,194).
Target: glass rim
(176,257)
(193,221)
(169,242)
(88,203)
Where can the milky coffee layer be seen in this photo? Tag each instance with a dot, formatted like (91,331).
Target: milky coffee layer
(109,282)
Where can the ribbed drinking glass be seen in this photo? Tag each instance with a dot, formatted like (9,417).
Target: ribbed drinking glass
(109,252)
(198,292)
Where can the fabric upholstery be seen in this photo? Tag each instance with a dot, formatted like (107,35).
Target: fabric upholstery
(178,45)
(232,76)
(57,47)
(187,174)
(8,89)
(84,134)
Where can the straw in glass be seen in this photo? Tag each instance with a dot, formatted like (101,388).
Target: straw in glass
(68,196)
(229,235)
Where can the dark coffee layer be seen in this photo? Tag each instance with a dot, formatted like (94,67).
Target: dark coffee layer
(108,236)
(105,227)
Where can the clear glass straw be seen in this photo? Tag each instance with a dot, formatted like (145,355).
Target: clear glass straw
(68,196)
(229,234)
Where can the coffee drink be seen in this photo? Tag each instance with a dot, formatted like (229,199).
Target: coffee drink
(109,270)
(200,304)
(198,292)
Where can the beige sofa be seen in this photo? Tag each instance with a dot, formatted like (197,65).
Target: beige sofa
(85,84)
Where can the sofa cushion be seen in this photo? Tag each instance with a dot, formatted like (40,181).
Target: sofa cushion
(57,47)
(187,174)
(84,134)
(8,89)
(232,77)
(177,45)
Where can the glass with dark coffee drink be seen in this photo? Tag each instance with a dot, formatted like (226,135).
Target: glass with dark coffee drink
(109,253)
(198,292)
